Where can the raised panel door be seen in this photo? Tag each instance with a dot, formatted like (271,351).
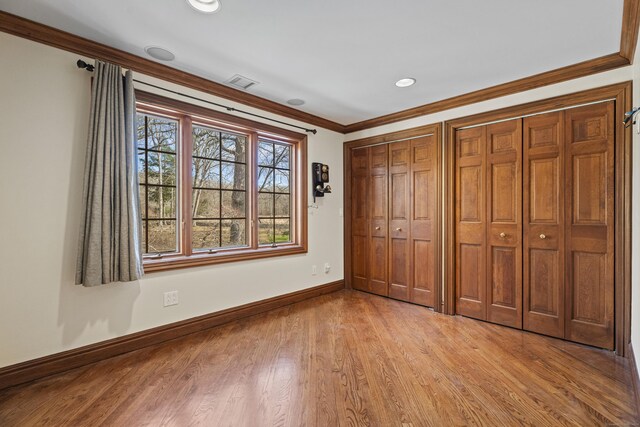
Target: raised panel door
(470,239)
(543,212)
(423,169)
(360,219)
(377,207)
(399,209)
(504,223)
(589,216)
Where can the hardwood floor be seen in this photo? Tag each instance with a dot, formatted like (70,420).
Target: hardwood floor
(346,358)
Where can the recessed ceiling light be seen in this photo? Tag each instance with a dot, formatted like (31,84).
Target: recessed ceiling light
(295,101)
(205,6)
(159,53)
(406,82)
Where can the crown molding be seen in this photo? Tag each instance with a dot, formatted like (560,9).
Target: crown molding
(40,33)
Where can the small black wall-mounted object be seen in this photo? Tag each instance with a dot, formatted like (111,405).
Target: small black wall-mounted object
(320,176)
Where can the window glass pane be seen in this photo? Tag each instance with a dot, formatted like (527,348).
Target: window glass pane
(265,179)
(205,173)
(141,167)
(265,232)
(265,153)
(161,134)
(162,202)
(140,131)
(282,233)
(233,176)
(282,154)
(161,168)
(143,238)
(162,236)
(206,142)
(233,204)
(282,205)
(205,203)
(143,201)
(233,233)
(233,147)
(206,234)
(282,181)
(265,205)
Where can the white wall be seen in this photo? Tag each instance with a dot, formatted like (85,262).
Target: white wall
(44,103)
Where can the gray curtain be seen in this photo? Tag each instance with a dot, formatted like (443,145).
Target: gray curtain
(110,249)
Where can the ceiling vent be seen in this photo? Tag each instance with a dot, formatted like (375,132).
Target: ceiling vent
(241,82)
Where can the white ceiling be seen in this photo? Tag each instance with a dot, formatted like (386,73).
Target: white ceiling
(343,56)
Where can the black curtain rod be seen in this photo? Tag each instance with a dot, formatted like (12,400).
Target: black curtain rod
(89,67)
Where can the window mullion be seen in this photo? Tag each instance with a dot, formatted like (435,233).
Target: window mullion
(252,162)
(186,184)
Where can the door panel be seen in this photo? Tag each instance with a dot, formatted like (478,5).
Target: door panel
(471,278)
(399,187)
(359,219)
(424,155)
(589,217)
(378,196)
(504,226)
(543,211)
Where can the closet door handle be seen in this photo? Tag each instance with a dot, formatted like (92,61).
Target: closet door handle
(378,228)
(542,236)
(398,229)
(503,235)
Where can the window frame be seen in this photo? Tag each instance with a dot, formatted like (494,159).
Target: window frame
(189,114)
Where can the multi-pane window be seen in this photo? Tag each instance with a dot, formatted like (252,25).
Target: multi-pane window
(219,198)
(157,174)
(214,188)
(274,192)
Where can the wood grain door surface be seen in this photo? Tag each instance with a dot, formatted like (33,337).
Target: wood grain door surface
(535,223)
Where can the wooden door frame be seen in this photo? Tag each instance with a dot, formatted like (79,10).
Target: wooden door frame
(621,94)
(431,129)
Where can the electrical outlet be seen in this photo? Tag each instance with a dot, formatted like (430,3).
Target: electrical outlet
(327,267)
(170,298)
(314,270)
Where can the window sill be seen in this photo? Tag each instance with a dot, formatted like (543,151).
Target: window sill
(196,260)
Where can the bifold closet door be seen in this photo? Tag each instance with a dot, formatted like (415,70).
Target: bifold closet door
(399,231)
(360,219)
(471,259)
(378,206)
(589,216)
(544,189)
(504,223)
(424,157)
(489,222)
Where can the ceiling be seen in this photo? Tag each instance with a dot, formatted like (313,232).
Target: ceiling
(343,57)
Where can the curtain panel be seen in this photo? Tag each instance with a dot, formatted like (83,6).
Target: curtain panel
(109,244)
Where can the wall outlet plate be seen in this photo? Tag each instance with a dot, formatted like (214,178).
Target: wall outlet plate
(170,298)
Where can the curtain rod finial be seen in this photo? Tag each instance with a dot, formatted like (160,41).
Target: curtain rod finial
(82,64)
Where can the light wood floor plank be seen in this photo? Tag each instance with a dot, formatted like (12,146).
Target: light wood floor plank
(346,358)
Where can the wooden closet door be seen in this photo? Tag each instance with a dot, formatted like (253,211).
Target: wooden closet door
(377,206)
(504,223)
(424,158)
(399,211)
(359,218)
(590,224)
(544,224)
(470,213)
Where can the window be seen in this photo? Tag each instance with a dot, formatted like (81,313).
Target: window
(216,188)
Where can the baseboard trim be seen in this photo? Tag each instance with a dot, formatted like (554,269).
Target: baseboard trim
(60,362)
(635,379)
